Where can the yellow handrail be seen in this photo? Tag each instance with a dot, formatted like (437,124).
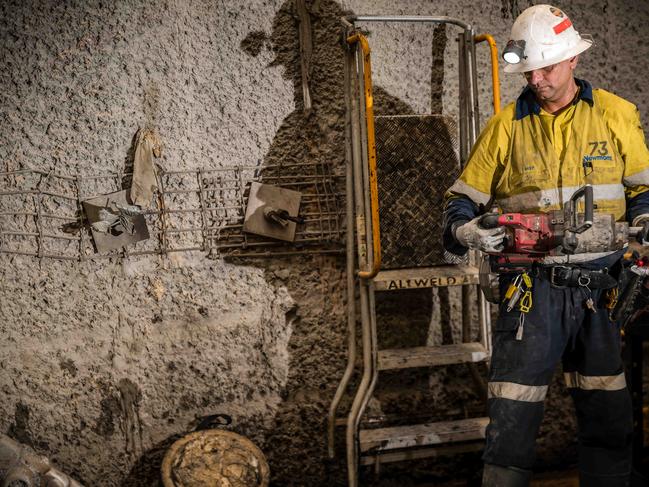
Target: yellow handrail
(494,67)
(371,155)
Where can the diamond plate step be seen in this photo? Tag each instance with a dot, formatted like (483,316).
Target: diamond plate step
(405,358)
(384,439)
(424,277)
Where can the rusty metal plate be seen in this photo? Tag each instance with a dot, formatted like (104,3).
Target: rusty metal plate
(105,242)
(417,161)
(266,195)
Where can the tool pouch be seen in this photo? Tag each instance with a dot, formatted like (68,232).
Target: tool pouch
(488,280)
(633,298)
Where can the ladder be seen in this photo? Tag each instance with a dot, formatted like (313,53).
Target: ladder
(363,245)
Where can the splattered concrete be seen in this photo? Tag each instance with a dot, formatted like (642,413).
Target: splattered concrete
(105,363)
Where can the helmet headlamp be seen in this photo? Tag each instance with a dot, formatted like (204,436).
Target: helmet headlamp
(514,51)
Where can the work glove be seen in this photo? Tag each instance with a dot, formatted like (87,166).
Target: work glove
(473,236)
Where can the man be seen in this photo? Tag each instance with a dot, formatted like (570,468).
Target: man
(559,135)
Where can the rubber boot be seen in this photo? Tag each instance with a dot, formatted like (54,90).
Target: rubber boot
(497,476)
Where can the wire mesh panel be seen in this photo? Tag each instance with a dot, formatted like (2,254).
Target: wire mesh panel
(41,213)
(417,161)
(322,207)
(38,212)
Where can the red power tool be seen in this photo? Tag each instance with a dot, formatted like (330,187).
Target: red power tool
(531,237)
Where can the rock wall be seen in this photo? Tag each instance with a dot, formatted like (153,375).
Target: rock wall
(104,363)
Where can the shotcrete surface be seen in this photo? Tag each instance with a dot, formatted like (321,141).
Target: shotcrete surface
(105,363)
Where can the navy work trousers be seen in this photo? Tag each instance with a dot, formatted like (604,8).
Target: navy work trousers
(559,326)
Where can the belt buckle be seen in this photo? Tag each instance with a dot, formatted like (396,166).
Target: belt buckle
(553,275)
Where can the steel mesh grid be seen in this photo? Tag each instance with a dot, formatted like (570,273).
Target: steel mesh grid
(226,192)
(194,210)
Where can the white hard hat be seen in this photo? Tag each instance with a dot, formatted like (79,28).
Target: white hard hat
(542,35)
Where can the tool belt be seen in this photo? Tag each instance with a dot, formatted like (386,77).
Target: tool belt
(565,276)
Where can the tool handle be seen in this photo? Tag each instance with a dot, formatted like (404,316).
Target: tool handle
(572,226)
(490,220)
(589,205)
(589,209)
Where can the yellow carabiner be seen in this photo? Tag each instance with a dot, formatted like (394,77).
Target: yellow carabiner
(513,287)
(526,302)
(527,280)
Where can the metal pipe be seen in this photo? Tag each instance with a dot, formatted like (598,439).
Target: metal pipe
(408,18)
(161,173)
(495,80)
(35,254)
(36,191)
(286,254)
(471,96)
(351,299)
(371,155)
(37,234)
(353,419)
(370,351)
(35,171)
(259,244)
(462,99)
(374,351)
(361,239)
(474,86)
(365,157)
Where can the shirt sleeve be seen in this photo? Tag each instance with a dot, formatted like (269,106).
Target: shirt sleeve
(626,128)
(486,161)
(473,190)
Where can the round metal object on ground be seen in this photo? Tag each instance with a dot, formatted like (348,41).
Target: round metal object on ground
(214,458)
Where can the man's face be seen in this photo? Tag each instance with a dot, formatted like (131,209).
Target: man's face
(550,84)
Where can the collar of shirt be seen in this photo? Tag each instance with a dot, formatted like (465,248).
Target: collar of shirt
(526,103)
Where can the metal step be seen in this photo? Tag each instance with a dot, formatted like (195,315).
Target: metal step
(384,439)
(424,277)
(405,358)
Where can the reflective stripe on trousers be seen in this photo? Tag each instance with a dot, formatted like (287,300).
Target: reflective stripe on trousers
(559,327)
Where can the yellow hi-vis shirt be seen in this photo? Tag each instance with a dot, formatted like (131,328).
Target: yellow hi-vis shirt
(536,162)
